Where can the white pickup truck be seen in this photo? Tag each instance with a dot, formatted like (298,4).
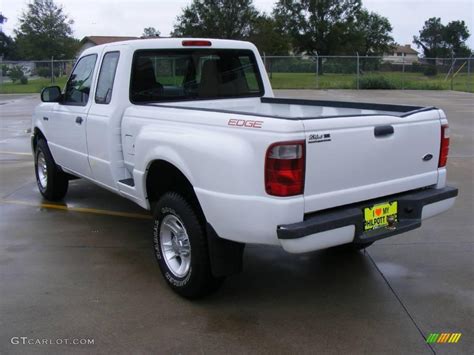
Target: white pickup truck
(190,129)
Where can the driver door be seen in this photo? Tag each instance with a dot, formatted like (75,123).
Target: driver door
(67,138)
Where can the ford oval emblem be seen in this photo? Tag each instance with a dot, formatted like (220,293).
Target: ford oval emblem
(428,157)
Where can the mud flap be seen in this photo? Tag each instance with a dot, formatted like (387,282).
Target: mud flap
(226,255)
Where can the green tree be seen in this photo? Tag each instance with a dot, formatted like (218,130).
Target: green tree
(438,40)
(16,73)
(268,37)
(231,19)
(372,35)
(322,26)
(7,47)
(150,32)
(45,31)
(456,34)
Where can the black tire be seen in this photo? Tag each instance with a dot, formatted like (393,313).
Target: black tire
(198,281)
(54,188)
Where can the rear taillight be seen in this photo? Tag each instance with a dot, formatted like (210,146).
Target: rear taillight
(444,150)
(284,168)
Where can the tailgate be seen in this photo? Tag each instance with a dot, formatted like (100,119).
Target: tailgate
(352,159)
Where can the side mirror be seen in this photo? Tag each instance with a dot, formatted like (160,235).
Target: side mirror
(51,94)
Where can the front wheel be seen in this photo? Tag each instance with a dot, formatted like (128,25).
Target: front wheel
(52,182)
(181,247)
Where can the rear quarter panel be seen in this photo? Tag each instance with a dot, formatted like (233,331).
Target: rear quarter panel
(224,163)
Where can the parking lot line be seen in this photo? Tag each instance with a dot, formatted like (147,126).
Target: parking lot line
(77,209)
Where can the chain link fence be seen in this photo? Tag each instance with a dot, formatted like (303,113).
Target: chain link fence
(292,72)
(27,76)
(357,72)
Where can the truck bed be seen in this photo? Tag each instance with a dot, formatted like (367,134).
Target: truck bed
(296,109)
(354,151)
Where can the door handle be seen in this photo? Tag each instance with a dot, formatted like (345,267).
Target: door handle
(45,118)
(382,131)
(79,120)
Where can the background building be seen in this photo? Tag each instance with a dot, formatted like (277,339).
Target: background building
(401,54)
(91,41)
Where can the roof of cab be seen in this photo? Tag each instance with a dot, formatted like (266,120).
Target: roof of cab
(172,43)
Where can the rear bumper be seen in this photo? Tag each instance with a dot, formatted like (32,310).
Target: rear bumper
(346,224)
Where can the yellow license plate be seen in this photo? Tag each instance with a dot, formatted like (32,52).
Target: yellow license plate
(379,215)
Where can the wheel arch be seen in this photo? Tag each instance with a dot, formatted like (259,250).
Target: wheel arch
(162,177)
(37,134)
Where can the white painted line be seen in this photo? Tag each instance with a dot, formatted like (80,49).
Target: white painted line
(16,153)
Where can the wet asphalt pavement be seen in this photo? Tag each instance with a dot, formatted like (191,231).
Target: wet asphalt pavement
(81,273)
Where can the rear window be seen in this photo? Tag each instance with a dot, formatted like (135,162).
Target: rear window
(191,74)
(105,83)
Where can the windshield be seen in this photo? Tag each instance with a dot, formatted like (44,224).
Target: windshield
(186,74)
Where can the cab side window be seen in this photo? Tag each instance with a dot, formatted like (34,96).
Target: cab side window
(78,86)
(105,83)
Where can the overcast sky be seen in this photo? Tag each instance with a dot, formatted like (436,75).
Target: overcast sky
(129,17)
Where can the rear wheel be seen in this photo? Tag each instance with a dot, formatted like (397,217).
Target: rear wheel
(52,182)
(181,247)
